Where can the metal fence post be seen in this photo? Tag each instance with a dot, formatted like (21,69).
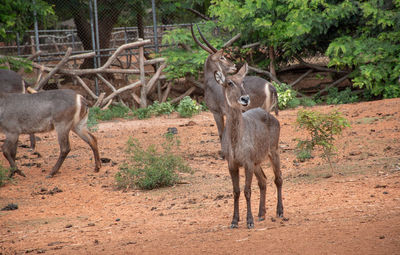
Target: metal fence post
(93,46)
(153,6)
(36,29)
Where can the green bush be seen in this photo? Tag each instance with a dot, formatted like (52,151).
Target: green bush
(114,111)
(342,97)
(4,173)
(188,107)
(286,96)
(161,108)
(149,168)
(322,128)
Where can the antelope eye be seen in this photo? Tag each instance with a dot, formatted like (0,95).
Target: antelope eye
(222,58)
(230,83)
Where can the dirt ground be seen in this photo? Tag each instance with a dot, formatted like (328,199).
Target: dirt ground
(356,211)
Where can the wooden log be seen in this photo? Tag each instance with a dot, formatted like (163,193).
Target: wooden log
(54,70)
(143,94)
(83,84)
(99,100)
(152,82)
(187,93)
(119,91)
(166,92)
(301,78)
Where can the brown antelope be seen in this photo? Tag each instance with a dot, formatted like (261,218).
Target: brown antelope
(12,82)
(62,110)
(248,139)
(262,93)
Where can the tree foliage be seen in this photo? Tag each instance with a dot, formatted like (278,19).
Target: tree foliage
(16,16)
(362,36)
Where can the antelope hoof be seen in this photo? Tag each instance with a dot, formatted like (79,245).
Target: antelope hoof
(250,225)
(18,172)
(49,176)
(279,214)
(234,225)
(261,218)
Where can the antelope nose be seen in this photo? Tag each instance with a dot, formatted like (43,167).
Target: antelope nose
(244,100)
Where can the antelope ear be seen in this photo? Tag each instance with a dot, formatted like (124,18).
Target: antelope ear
(243,71)
(219,77)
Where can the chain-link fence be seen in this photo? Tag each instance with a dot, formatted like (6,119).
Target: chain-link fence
(96,25)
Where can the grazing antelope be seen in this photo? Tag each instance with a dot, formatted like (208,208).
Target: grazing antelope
(12,82)
(62,110)
(262,93)
(248,139)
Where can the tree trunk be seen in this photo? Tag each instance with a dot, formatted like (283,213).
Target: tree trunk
(108,12)
(272,61)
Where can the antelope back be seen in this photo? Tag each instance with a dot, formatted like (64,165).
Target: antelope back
(11,82)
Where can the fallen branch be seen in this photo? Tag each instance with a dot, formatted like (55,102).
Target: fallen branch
(251,45)
(318,67)
(301,78)
(88,90)
(232,40)
(119,91)
(99,100)
(196,83)
(272,77)
(166,92)
(152,82)
(187,93)
(55,69)
(332,84)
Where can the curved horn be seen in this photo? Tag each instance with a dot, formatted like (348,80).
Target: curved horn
(198,42)
(205,40)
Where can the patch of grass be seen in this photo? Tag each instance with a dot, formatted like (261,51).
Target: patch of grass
(188,107)
(114,111)
(322,129)
(342,97)
(4,173)
(161,108)
(151,168)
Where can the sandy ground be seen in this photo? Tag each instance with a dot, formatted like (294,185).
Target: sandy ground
(357,211)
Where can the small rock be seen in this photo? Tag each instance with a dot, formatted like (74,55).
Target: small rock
(381,237)
(117,219)
(10,207)
(354,153)
(172,130)
(68,226)
(191,123)
(105,160)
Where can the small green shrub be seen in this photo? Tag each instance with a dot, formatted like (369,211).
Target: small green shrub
(149,168)
(322,128)
(4,173)
(161,108)
(142,113)
(308,102)
(188,107)
(92,120)
(342,97)
(286,96)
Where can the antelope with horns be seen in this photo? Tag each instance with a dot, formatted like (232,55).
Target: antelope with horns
(63,110)
(12,82)
(262,93)
(248,139)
